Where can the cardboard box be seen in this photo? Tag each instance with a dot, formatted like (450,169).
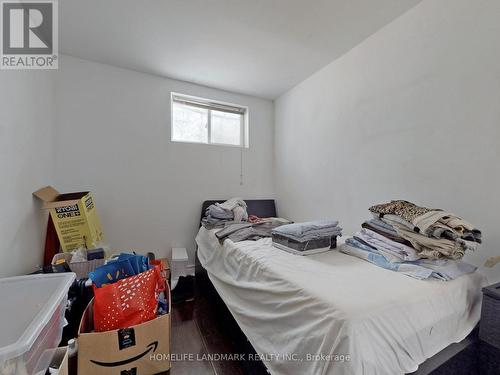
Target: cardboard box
(60,361)
(143,349)
(75,218)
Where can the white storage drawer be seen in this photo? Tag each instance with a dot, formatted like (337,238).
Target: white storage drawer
(31,321)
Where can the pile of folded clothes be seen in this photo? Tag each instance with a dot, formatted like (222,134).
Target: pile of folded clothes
(217,215)
(418,241)
(232,218)
(307,238)
(250,231)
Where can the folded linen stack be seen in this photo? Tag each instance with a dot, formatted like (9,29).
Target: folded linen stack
(219,214)
(418,241)
(307,238)
(250,231)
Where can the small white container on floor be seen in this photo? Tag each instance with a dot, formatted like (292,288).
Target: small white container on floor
(179,264)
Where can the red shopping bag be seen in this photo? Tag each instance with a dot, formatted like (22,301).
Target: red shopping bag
(127,302)
(163,273)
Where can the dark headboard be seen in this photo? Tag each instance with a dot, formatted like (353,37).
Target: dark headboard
(257,207)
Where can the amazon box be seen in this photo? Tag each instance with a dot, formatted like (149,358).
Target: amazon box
(60,361)
(143,349)
(75,218)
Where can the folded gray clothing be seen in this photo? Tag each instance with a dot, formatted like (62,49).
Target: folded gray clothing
(300,229)
(382,225)
(310,230)
(303,253)
(217,212)
(382,229)
(359,239)
(230,228)
(237,232)
(251,233)
(328,242)
(211,223)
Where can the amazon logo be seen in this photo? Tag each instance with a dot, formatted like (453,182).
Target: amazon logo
(150,348)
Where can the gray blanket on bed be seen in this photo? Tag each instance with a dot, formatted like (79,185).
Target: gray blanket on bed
(237,232)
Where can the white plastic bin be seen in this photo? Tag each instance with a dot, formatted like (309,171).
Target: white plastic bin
(81,269)
(31,321)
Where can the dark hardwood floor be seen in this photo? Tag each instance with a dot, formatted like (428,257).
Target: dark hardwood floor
(198,332)
(187,343)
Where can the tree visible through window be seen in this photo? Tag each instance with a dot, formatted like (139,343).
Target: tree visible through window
(204,121)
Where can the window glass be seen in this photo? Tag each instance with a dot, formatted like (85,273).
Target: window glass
(199,120)
(190,124)
(226,128)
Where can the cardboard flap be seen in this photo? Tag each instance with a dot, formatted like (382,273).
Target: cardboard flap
(87,321)
(60,361)
(46,194)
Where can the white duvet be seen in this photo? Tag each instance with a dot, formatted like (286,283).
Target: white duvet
(332,313)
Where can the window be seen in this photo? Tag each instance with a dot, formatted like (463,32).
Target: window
(200,120)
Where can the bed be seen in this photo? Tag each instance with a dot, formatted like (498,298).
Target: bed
(335,314)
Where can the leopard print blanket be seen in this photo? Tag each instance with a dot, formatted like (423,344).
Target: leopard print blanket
(404,209)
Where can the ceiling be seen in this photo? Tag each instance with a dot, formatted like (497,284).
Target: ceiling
(256,47)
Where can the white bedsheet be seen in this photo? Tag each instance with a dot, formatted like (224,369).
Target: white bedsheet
(292,308)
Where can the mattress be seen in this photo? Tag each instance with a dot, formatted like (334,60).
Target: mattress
(332,313)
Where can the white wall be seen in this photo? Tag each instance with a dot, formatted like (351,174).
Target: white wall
(413,112)
(26,164)
(113,137)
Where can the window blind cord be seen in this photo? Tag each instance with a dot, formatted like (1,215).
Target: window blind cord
(241,166)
